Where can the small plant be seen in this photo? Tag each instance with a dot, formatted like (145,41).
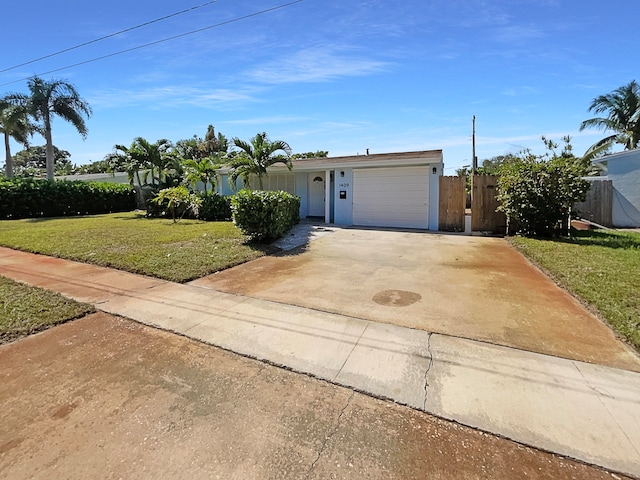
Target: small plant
(177,201)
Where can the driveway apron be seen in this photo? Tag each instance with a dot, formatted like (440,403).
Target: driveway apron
(465,286)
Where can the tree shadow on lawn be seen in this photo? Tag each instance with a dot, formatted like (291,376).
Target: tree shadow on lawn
(609,239)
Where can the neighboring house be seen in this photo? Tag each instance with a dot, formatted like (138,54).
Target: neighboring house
(116,177)
(398,190)
(623,169)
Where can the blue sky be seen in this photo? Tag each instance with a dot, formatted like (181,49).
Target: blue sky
(333,75)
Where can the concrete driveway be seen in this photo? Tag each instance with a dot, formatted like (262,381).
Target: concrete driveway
(466,286)
(105,397)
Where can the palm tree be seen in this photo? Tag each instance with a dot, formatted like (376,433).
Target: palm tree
(203,170)
(56,97)
(622,107)
(256,156)
(213,143)
(155,158)
(14,123)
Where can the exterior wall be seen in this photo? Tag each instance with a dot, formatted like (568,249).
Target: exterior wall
(302,189)
(434,194)
(117,177)
(343,208)
(625,174)
(224,188)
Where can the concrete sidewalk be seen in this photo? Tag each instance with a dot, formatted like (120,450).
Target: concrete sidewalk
(588,412)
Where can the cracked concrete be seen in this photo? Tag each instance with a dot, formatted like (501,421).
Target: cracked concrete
(328,437)
(426,373)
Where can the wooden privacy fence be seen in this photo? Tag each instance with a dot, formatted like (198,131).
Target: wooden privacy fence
(598,206)
(451,207)
(484,217)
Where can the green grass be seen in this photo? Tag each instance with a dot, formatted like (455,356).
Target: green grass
(600,267)
(25,310)
(128,241)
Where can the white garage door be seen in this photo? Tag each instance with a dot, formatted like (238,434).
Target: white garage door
(391,197)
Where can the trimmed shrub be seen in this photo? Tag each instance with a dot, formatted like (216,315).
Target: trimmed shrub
(29,198)
(215,207)
(265,215)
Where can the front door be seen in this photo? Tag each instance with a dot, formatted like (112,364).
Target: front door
(316,194)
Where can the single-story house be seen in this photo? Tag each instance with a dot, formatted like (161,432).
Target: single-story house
(623,169)
(398,190)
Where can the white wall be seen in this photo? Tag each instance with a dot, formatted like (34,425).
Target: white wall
(624,171)
(343,208)
(434,194)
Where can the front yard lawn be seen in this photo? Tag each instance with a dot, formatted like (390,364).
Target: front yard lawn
(600,267)
(25,310)
(129,241)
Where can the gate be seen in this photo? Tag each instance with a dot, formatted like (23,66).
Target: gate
(451,204)
(484,217)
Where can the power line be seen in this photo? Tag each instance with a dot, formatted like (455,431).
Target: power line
(234,20)
(108,36)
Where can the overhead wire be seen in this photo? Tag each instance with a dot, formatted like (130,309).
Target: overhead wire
(227,22)
(108,36)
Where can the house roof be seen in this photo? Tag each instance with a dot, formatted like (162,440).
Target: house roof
(361,161)
(618,156)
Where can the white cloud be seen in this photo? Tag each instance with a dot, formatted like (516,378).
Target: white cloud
(170,96)
(266,120)
(316,65)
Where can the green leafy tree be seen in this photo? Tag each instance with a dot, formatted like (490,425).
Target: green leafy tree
(56,98)
(537,192)
(490,166)
(255,156)
(33,161)
(316,154)
(14,123)
(99,166)
(189,148)
(622,109)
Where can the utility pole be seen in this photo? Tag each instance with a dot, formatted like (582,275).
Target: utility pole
(474,168)
(474,159)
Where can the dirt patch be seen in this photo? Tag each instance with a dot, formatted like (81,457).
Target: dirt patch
(104,397)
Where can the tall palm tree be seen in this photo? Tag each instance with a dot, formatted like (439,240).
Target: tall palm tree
(256,156)
(56,97)
(622,108)
(212,143)
(14,123)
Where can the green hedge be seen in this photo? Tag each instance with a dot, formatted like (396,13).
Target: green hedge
(28,198)
(215,207)
(265,215)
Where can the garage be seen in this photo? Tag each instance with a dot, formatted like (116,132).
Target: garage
(391,197)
